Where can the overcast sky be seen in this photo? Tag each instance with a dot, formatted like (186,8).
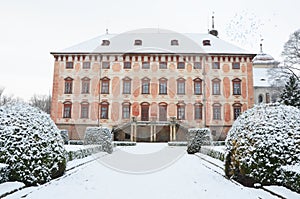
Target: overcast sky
(31,29)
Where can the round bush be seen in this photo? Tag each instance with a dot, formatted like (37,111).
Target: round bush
(100,136)
(262,140)
(198,137)
(30,144)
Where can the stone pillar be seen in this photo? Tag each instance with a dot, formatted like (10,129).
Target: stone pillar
(171,132)
(151,133)
(174,132)
(154,133)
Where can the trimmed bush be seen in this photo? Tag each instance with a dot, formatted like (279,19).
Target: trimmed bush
(64,135)
(100,136)
(124,143)
(30,144)
(260,142)
(4,170)
(198,137)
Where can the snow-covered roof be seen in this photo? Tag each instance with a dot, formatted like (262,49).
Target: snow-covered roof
(155,41)
(265,59)
(261,77)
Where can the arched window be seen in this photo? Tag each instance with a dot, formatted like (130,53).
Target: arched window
(197,86)
(104,110)
(126,110)
(85,87)
(260,98)
(217,111)
(163,85)
(237,109)
(84,110)
(181,86)
(236,85)
(174,42)
(67,110)
(145,85)
(198,111)
(105,85)
(68,85)
(163,111)
(126,85)
(181,111)
(267,97)
(145,111)
(216,86)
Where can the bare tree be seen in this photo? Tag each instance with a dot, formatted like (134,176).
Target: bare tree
(41,101)
(291,54)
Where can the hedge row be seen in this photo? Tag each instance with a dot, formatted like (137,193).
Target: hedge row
(4,170)
(82,153)
(212,153)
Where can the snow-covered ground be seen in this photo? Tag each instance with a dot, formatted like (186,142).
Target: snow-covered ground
(183,176)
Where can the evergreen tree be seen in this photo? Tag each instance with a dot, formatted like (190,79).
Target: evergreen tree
(291,93)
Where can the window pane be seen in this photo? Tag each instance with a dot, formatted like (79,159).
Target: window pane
(104,112)
(145,87)
(236,112)
(127,65)
(236,65)
(127,87)
(85,86)
(67,110)
(180,65)
(105,65)
(198,112)
(197,88)
(181,112)
(181,87)
(84,111)
(163,65)
(126,112)
(217,113)
(163,87)
(105,87)
(69,64)
(68,86)
(216,88)
(145,65)
(197,65)
(236,88)
(216,65)
(86,65)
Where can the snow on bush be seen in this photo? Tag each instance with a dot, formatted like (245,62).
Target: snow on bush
(64,135)
(196,138)
(262,140)
(30,144)
(100,136)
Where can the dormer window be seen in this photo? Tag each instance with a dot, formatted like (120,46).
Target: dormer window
(105,42)
(138,42)
(206,42)
(174,42)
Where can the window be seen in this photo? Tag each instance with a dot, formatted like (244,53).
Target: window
(174,42)
(126,110)
(197,86)
(181,86)
(105,42)
(126,85)
(180,65)
(216,65)
(105,85)
(85,85)
(216,87)
(67,110)
(86,65)
(237,109)
(260,98)
(198,111)
(127,65)
(105,65)
(68,85)
(236,65)
(145,111)
(138,42)
(84,110)
(236,84)
(145,86)
(180,111)
(217,111)
(162,112)
(104,110)
(162,65)
(69,64)
(145,65)
(197,65)
(163,86)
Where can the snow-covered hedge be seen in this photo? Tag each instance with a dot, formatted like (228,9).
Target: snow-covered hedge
(196,138)
(4,170)
(124,143)
(100,136)
(177,143)
(260,142)
(82,153)
(30,144)
(216,152)
(64,135)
